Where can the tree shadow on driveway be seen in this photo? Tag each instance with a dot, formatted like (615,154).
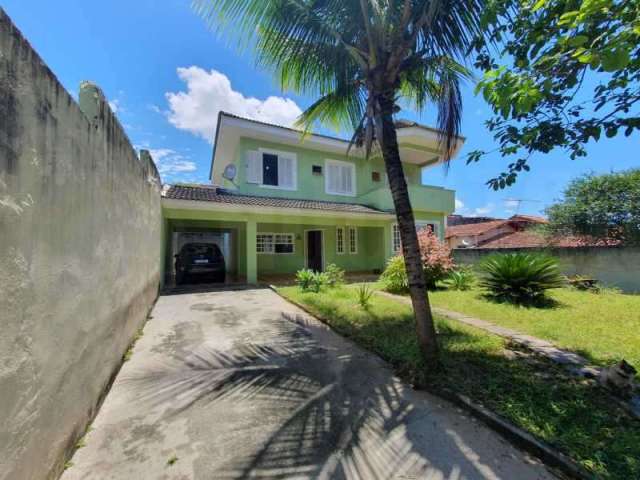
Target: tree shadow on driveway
(285,397)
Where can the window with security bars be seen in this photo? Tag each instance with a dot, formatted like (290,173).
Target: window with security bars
(397,245)
(340,240)
(353,240)
(275,243)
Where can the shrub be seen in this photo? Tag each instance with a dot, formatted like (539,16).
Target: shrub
(304,278)
(318,281)
(335,275)
(436,257)
(436,262)
(461,279)
(520,278)
(364,296)
(310,281)
(394,278)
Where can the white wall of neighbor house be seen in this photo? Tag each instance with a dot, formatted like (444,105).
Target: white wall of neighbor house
(612,266)
(80,222)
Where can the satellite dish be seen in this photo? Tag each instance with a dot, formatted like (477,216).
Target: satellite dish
(230,172)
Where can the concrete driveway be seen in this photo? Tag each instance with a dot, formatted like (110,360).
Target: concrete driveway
(241,384)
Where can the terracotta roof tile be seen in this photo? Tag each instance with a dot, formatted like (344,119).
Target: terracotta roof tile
(529,239)
(209,193)
(473,228)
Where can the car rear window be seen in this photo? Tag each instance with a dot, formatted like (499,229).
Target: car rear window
(206,250)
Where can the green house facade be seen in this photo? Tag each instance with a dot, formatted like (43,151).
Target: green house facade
(280,201)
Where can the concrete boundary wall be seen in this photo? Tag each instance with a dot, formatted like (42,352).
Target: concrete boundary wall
(80,221)
(613,266)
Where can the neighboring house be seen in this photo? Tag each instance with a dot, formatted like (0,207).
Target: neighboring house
(297,202)
(513,232)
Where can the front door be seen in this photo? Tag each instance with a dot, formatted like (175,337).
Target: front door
(314,250)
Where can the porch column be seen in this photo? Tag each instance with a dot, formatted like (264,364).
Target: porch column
(387,242)
(251,255)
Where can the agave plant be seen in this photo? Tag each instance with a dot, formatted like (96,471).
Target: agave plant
(364,296)
(521,278)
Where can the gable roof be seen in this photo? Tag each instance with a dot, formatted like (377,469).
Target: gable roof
(210,193)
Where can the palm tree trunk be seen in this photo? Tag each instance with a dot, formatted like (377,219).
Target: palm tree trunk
(425,329)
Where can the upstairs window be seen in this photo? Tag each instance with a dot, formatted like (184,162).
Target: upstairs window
(340,178)
(271,169)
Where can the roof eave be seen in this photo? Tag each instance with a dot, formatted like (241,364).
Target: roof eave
(259,209)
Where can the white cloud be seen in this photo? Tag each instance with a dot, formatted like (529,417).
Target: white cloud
(196,110)
(114,105)
(511,206)
(482,211)
(172,164)
(459,206)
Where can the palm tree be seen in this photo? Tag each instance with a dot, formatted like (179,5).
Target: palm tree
(361,57)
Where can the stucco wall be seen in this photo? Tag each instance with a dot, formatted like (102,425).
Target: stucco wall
(80,222)
(617,267)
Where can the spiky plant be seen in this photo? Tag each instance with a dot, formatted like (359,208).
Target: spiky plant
(521,278)
(460,279)
(361,58)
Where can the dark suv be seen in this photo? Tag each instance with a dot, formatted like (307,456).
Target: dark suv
(200,259)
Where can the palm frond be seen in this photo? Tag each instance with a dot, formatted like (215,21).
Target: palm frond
(437,79)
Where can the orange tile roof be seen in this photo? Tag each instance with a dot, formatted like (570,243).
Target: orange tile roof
(529,239)
(471,229)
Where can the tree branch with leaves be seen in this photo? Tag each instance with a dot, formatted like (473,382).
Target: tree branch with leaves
(536,56)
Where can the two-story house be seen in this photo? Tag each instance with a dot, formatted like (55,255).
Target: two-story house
(279,202)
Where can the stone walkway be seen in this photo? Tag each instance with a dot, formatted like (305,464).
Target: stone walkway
(577,364)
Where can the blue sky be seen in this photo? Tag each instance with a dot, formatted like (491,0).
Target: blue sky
(167,75)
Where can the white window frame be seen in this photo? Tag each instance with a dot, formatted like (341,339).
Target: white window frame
(353,230)
(280,153)
(395,237)
(340,163)
(340,245)
(395,233)
(273,243)
(424,223)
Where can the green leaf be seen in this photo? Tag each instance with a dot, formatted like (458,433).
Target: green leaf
(613,60)
(578,40)
(586,57)
(539,4)
(567,18)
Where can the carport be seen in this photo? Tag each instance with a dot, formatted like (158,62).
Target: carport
(229,236)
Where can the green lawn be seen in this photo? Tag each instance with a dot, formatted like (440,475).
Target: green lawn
(573,415)
(602,327)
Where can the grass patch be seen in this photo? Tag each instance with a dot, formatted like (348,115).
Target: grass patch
(573,415)
(603,327)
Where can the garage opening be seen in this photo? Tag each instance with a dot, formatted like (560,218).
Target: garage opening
(199,256)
